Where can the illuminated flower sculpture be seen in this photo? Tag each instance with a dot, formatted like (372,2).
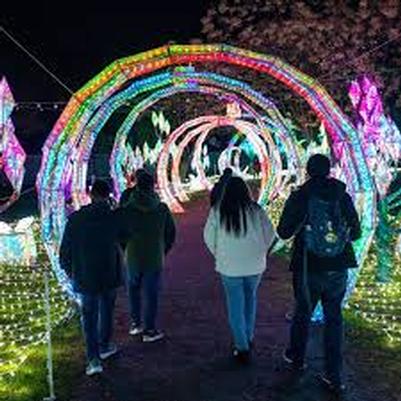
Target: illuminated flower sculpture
(11,153)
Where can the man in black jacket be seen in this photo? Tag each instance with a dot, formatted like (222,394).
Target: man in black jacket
(90,256)
(315,277)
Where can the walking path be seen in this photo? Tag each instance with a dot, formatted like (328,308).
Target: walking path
(192,364)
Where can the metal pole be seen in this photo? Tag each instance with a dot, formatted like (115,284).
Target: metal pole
(50,378)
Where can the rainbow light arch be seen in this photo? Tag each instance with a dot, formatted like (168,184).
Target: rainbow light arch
(273,121)
(201,127)
(206,83)
(63,140)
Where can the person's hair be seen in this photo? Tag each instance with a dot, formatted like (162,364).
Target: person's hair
(228,172)
(100,189)
(234,205)
(144,179)
(318,166)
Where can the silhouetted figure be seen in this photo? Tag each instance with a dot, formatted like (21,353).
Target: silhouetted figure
(149,234)
(238,233)
(322,217)
(90,256)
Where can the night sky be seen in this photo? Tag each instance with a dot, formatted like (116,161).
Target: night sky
(76,40)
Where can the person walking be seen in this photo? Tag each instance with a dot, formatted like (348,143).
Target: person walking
(239,234)
(322,217)
(90,256)
(149,233)
(218,190)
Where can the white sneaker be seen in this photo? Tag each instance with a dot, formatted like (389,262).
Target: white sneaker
(107,353)
(151,336)
(94,367)
(135,330)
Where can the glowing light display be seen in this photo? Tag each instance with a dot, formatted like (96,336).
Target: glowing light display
(82,119)
(22,310)
(201,127)
(378,292)
(12,155)
(222,87)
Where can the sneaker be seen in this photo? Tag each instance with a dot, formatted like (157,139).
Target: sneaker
(150,336)
(94,367)
(242,357)
(289,359)
(334,386)
(135,329)
(108,352)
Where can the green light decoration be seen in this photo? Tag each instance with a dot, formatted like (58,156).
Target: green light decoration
(22,301)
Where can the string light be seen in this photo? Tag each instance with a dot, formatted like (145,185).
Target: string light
(22,314)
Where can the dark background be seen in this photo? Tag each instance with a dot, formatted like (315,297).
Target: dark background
(76,40)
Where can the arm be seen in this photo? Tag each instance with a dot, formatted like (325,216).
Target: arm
(209,232)
(292,217)
(269,235)
(66,250)
(352,217)
(169,231)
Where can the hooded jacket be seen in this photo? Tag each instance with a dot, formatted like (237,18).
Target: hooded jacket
(89,251)
(147,227)
(294,217)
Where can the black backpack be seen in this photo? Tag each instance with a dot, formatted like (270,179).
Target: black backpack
(326,230)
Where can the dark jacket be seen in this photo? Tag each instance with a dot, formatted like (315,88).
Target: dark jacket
(217,192)
(147,227)
(124,199)
(89,250)
(294,216)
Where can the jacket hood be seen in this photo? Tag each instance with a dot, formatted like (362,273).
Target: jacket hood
(328,189)
(95,208)
(145,201)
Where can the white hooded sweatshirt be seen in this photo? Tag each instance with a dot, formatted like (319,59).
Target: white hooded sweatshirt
(243,255)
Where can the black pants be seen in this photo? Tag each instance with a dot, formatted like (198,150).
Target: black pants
(329,287)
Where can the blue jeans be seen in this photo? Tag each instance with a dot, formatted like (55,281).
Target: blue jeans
(241,303)
(329,287)
(97,321)
(151,285)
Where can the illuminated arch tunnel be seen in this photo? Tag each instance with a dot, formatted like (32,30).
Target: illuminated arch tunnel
(67,150)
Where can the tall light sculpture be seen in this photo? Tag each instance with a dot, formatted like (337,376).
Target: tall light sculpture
(12,153)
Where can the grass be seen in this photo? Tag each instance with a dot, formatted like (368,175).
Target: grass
(30,381)
(23,331)
(370,354)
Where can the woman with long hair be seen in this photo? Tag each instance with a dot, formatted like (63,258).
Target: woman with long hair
(238,233)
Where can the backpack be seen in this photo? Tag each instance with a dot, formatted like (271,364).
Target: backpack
(326,230)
